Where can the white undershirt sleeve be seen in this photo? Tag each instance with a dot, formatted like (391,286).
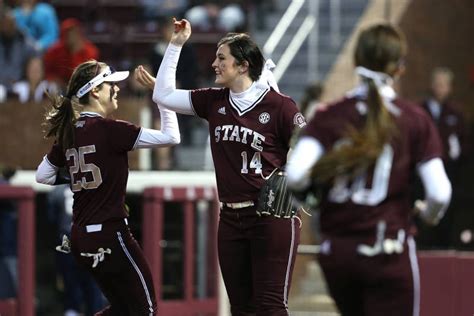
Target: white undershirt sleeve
(168,135)
(46,172)
(165,92)
(437,190)
(307,151)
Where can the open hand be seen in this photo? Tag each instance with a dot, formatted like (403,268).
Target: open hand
(144,77)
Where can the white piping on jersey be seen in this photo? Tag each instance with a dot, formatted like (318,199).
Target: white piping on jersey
(288,267)
(245,101)
(138,139)
(50,163)
(89,114)
(415,274)
(191,103)
(142,279)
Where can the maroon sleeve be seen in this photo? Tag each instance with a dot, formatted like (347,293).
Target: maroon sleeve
(290,118)
(123,135)
(202,100)
(427,142)
(56,156)
(322,127)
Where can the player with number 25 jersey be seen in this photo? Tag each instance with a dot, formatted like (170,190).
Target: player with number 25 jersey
(94,148)
(98,166)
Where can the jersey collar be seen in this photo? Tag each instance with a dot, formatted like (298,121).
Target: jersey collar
(245,101)
(89,114)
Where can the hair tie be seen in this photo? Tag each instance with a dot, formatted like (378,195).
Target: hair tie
(382,81)
(379,78)
(267,79)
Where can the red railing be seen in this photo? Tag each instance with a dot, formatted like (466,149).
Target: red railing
(23,305)
(153,219)
(447,283)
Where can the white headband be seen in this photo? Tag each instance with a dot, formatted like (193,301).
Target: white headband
(108,75)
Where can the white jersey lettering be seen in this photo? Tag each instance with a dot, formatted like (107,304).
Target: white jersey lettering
(235,134)
(217,133)
(226,129)
(246,132)
(239,134)
(257,140)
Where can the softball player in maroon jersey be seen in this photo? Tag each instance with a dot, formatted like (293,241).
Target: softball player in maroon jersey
(364,151)
(250,125)
(94,149)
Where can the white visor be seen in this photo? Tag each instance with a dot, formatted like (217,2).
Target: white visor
(108,75)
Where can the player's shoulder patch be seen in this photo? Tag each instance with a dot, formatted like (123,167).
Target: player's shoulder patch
(299,120)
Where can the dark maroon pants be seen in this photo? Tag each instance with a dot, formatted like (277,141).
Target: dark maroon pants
(256,256)
(123,276)
(384,284)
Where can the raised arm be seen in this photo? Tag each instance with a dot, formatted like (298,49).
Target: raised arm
(169,133)
(165,92)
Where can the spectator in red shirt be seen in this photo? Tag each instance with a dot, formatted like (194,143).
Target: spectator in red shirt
(71,50)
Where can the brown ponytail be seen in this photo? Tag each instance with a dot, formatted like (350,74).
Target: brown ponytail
(61,117)
(379,48)
(60,121)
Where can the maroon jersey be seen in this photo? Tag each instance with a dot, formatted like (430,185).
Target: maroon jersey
(98,164)
(247,146)
(383,192)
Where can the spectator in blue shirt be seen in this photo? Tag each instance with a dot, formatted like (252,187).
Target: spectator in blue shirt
(39,23)
(14,51)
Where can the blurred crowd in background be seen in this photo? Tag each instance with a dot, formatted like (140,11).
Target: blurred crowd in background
(41,42)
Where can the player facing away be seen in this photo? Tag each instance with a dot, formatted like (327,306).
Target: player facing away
(250,124)
(363,152)
(93,148)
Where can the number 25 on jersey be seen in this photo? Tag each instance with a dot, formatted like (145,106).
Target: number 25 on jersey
(79,165)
